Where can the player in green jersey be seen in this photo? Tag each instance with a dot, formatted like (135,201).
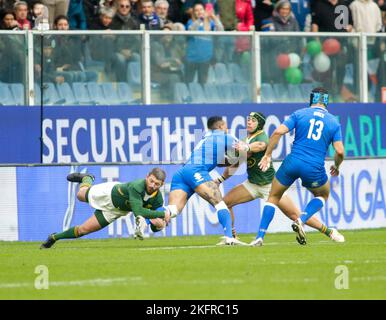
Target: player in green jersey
(258,183)
(112,200)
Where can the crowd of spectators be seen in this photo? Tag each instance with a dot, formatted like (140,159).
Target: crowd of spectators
(241,15)
(180,15)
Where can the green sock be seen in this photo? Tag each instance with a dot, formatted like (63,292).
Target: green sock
(86,182)
(68,234)
(325,230)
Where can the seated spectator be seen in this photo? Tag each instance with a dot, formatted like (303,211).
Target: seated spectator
(162,10)
(366,16)
(12,53)
(8,21)
(148,17)
(76,15)
(106,16)
(68,54)
(166,61)
(124,19)
(56,8)
(263,15)
(283,18)
(61,23)
(21,13)
(199,51)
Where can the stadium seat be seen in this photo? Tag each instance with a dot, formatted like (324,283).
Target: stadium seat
(18,93)
(111,94)
(65,92)
(197,93)
(211,93)
(211,76)
(267,93)
(181,93)
(81,93)
(50,95)
(134,73)
(306,89)
(226,93)
(6,97)
(125,94)
(281,92)
(236,73)
(222,74)
(241,93)
(295,94)
(37,95)
(95,91)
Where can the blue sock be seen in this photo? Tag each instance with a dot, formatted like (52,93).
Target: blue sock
(224,217)
(267,216)
(312,207)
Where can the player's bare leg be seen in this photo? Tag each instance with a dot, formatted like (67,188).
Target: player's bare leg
(92,224)
(288,207)
(178,198)
(277,191)
(321,195)
(211,193)
(235,196)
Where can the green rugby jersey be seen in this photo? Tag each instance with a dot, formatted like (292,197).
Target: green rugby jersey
(255,175)
(132,196)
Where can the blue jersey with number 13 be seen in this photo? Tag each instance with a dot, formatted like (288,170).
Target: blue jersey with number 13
(315,129)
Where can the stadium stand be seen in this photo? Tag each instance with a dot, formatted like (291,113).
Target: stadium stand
(6,97)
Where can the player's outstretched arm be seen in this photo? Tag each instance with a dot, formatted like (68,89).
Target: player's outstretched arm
(338,158)
(273,141)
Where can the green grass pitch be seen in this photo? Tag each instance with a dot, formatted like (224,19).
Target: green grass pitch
(193,268)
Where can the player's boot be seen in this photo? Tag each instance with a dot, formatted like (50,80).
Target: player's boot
(226,241)
(141,225)
(49,242)
(257,242)
(77,177)
(336,236)
(297,227)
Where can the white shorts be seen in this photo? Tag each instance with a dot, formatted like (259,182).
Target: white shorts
(257,191)
(99,197)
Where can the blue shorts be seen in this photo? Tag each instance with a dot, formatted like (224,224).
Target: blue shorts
(189,178)
(312,176)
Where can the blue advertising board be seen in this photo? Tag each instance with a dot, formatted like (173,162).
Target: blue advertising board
(168,133)
(159,132)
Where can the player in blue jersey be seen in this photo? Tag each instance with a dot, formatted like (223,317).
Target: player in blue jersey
(315,129)
(213,150)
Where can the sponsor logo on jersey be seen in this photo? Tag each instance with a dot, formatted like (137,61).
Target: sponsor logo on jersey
(198,177)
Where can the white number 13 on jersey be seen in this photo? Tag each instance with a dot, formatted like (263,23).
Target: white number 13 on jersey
(316,126)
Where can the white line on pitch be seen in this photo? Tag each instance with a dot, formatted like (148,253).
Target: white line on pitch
(90,282)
